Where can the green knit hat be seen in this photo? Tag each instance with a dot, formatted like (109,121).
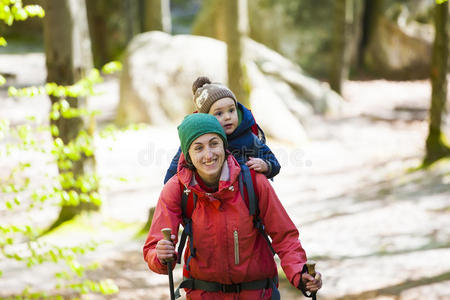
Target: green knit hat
(196,125)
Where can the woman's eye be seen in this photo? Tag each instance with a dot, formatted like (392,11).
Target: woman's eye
(231,110)
(198,149)
(218,113)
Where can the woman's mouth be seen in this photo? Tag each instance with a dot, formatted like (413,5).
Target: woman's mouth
(210,163)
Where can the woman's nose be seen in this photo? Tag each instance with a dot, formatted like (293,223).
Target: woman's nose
(208,153)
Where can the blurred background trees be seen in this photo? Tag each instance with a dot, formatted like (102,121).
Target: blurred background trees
(69,61)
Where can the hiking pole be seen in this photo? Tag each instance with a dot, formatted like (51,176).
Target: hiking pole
(167,232)
(311,266)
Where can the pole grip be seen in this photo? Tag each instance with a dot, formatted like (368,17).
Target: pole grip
(311,267)
(167,232)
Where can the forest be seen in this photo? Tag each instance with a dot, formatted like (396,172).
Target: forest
(351,95)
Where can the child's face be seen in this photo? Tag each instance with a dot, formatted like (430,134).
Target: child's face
(225,111)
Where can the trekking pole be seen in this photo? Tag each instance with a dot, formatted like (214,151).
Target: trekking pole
(167,232)
(311,266)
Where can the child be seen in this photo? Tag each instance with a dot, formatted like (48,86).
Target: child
(239,126)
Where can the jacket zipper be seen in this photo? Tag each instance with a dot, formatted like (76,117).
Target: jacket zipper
(236,247)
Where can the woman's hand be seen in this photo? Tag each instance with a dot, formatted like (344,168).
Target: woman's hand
(310,283)
(165,250)
(257,164)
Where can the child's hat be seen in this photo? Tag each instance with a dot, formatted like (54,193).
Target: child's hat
(206,93)
(196,125)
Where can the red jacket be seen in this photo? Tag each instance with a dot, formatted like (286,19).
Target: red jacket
(218,219)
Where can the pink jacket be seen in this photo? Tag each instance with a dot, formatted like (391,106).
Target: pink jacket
(229,248)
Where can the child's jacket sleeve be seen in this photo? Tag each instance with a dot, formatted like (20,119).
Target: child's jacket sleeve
(266,154)
(172,170)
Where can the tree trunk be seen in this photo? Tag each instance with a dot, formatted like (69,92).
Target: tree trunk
(435,146)
(109,32)
(157,15)
(337,67)
(236,20)
(97,16)
(132,23)
(373,10)
(68,57)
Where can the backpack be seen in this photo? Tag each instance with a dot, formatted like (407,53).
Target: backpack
(256,130)
(189,200)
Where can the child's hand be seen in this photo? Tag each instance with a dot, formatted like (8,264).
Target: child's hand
(257,164)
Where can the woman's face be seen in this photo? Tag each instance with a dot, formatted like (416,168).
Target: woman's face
(225,111)
(208,154)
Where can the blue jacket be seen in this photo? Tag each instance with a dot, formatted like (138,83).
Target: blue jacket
(242,143)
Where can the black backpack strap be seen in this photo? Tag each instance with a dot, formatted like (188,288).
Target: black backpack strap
(252,201)
(253,205)
(187,224)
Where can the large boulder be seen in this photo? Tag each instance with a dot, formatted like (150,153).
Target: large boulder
(398,53)
(155,85)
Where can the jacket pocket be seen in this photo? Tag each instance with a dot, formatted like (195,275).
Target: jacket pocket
(236,247)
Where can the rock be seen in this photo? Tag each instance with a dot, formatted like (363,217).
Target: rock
(268,106)
(159,69)
(307,90)
(395,54)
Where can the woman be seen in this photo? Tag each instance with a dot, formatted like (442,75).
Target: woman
(229,250)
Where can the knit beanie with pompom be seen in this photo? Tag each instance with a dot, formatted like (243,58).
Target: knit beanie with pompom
(207,92)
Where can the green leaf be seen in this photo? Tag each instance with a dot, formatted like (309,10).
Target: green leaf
(58,143)
(12,91)
(34,10)
(20,14)
(2,80)
(9,205)
(112,67)
(108,287)
(74,198)
(440,1)
(95,198)
(54,130)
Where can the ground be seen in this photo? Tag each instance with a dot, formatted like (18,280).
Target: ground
(378,228)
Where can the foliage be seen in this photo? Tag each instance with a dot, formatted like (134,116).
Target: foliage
(441,1)
(13,10)
(22,242)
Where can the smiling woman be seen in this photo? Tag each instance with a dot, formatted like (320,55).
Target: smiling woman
(229,254)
